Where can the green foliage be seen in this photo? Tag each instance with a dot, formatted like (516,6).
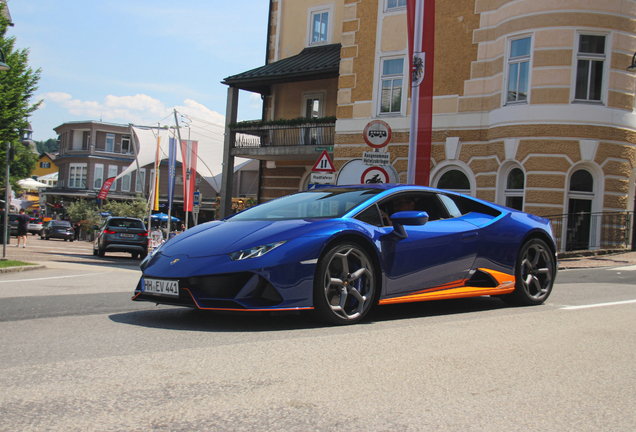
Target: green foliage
(17,87)
(283,122)
(88,213)
(51,145)
(137,207)
(85,211)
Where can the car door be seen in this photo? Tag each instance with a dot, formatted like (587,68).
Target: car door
(435,254)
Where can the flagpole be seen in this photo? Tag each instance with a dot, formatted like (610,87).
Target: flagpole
(182,162)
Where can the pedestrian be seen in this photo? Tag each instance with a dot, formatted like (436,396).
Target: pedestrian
(77,227)
(23,227)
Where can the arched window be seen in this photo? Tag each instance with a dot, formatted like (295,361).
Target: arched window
(515,184)
(454,180)
(582,181)
(579,218)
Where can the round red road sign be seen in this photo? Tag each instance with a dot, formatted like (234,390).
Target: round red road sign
(377,134)
(374,174)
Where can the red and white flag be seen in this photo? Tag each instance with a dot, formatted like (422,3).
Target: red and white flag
(189,165)
(421,37)
(103,192)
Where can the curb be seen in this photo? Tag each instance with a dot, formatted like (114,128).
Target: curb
(21,268)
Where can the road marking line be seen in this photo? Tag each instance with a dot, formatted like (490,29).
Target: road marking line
(52,277)
(598,305)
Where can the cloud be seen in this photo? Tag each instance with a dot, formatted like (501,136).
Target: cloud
(139,109)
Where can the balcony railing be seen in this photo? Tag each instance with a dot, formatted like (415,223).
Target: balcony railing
(584,231)
(310,134)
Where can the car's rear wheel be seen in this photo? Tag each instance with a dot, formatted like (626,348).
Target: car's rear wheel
(134,255)
(143,255)
(534,274)
(344,285)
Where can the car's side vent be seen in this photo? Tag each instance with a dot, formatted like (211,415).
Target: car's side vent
(482,279)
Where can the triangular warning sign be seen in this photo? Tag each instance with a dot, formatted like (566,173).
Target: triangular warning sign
(324,164)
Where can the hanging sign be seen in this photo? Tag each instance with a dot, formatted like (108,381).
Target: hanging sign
(324,163)
(377,134)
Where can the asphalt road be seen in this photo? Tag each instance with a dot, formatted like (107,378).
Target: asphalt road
(78,355)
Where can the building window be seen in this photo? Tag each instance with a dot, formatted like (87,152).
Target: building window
(395,4)
(98,179)
(514,189)
(141,180)
(110,143)
(518,70)
(590,62)
(125,145)
(45,164)
(579,218)
(77,176)
(319,27)
(112,172)
(125,183)
(454,180)
(392,78)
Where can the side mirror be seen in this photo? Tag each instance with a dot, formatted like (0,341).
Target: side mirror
(407,218)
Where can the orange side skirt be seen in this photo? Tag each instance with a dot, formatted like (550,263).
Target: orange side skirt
(458,289)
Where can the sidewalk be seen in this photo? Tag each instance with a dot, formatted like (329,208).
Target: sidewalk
(598,258)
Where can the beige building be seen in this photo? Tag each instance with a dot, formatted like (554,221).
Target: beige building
(533,102)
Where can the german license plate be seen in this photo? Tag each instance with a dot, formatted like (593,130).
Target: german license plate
(161,287)
(127,235)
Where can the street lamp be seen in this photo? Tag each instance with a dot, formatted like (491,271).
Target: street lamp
(5,225)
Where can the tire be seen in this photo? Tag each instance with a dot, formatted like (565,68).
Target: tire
(100,251)
(65,239)
(143,255)
(534,274)
(47,237)
(344,285)
(134,255)
(94,251)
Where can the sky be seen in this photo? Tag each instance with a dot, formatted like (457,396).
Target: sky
(135,61)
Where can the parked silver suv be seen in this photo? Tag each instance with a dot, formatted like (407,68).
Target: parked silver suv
(122,234)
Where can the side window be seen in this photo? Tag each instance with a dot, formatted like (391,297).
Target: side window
(450,206)
(590,61)
(518,70)
(319,26)
(391,91)
(371,216)
(395,4)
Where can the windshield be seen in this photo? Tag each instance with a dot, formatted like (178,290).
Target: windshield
(316,204)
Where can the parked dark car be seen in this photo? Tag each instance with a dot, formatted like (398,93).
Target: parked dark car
(57,229)
(122,234)
(13,223)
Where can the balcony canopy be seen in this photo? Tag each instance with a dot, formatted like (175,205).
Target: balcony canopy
(313,63)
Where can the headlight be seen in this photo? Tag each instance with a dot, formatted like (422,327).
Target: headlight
(255,252)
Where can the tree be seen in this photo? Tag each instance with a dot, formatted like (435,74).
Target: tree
(17,87)
(51,145)
(137,208)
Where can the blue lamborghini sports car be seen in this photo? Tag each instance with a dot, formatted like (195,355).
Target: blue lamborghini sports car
(340,251)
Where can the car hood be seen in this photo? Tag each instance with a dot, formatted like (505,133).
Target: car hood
(223,237)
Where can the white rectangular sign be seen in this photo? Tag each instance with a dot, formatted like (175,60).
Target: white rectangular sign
(376,158)
(323,177)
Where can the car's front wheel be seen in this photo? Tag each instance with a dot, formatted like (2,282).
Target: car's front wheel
(534,274)
(344,285)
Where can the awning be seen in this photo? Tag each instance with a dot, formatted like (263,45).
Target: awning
(313,63)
